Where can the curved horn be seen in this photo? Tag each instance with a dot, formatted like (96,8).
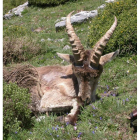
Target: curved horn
(77,47)
(100,45)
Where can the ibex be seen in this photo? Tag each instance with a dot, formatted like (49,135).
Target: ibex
(68,87)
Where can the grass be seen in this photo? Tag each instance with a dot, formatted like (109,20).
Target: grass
(106,119)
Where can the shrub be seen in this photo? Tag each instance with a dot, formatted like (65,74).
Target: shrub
(17,2)
(125,35)
(47,2)
(16,113)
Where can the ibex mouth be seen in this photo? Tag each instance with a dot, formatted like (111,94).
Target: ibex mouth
(85,99)
(85,92)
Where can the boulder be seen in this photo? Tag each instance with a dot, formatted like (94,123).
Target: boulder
(66,47)
(16,11)
(77,18)
(81,16)
(108,1)
(101,6)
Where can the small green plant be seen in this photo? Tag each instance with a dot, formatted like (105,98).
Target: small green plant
(16,114)
(47,2)
(125,35)
(16,30)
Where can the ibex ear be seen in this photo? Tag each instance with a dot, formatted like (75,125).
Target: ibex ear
(66,57)
(108,57)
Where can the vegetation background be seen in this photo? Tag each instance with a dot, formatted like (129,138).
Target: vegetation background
(32,39)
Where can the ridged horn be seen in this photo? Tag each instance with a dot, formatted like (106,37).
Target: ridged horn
(77,47)
(100,45)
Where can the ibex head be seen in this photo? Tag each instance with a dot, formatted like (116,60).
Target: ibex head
(87,65)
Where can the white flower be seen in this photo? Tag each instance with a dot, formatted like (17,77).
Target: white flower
(75,127)
(42,40)
(127,71)
(128,61)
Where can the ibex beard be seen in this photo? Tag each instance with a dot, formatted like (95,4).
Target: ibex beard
(63,88)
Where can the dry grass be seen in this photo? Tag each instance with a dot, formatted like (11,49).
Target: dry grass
(18,50)
(24,75)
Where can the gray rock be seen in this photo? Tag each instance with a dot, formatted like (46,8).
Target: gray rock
(101,6)
(59,24)
(66,47)
(77,18)
(109,1)
(116,87)
(8,16)
(39,119)
(16,11)
(59,40)
(52,12)
(42,40)
(81,16)
(63,18)
(49,39)
(56,40)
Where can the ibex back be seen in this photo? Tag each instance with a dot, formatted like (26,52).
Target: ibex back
(68,87)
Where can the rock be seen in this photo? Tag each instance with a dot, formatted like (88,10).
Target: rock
(49,39)
(81,16)
(42,40)
(63,18)
(101,6)
(59,24)
(40,118)
(116,88)
(108,1)
(77,18)
(16,11)
(59,40)
(56,40)
(38,29)
(66,47)
(8,15)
